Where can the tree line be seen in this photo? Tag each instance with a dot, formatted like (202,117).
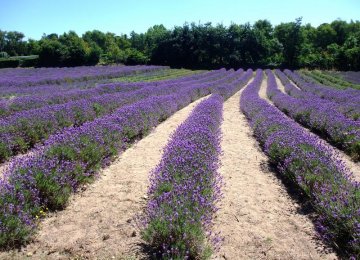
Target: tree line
(334,45)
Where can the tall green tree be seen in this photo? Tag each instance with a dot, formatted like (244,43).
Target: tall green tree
(51,53)
(75,50)
(289,35)
(14,43)
(2,40)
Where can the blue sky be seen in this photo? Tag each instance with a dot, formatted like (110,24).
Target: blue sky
(35,17)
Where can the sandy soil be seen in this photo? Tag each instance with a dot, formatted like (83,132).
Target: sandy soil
(3,167)
(353,166)
(291,81)
(279,84)
(99,222)
(258,219)
(263,87)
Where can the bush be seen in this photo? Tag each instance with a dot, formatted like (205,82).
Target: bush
(4,54)
(136,57)
(31,61)
(9,63)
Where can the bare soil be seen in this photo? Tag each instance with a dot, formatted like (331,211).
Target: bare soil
(258,219)
(3,167)
(99,223)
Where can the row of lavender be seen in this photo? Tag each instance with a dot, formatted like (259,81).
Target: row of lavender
(324,91)
(22,131)
(351,76)
(185,188)
(36,76)
(310,164)
(347,109)
(58,95)
(317,114)
(327,79)
(11,92)
(348,99)
(46,178)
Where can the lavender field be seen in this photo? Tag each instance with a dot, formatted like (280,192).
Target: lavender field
(153,162)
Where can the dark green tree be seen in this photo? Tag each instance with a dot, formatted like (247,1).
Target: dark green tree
(14,43)
(51,53)
(289,35)
(74,49)
(201,46)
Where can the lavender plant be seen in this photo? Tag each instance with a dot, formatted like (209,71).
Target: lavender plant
(185,187)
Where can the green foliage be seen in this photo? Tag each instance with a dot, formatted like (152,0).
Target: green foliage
(4,151)
(9,63)
(289,35)
(51,52)
(74,49)
(135,57)
(4,54)
(17,230)
(93,55)
(19,61)
(31,62)
(57,195)
(333,45)
(99,109)
(12,43)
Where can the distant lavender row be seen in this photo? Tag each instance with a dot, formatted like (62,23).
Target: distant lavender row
(46,178)
(327,79)
(36,76)
(347,96)
(10,92)
(60,96)
(23,130)
(23,103)
(186,186)
(319,117)
(350,110)
(46,89)
(313,166)
(351,76)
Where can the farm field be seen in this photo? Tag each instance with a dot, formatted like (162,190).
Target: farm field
(137,162)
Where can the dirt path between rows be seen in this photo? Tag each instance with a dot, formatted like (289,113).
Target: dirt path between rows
(99,222)
(258,219)
(3,168)
(353,166)
(279,84)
